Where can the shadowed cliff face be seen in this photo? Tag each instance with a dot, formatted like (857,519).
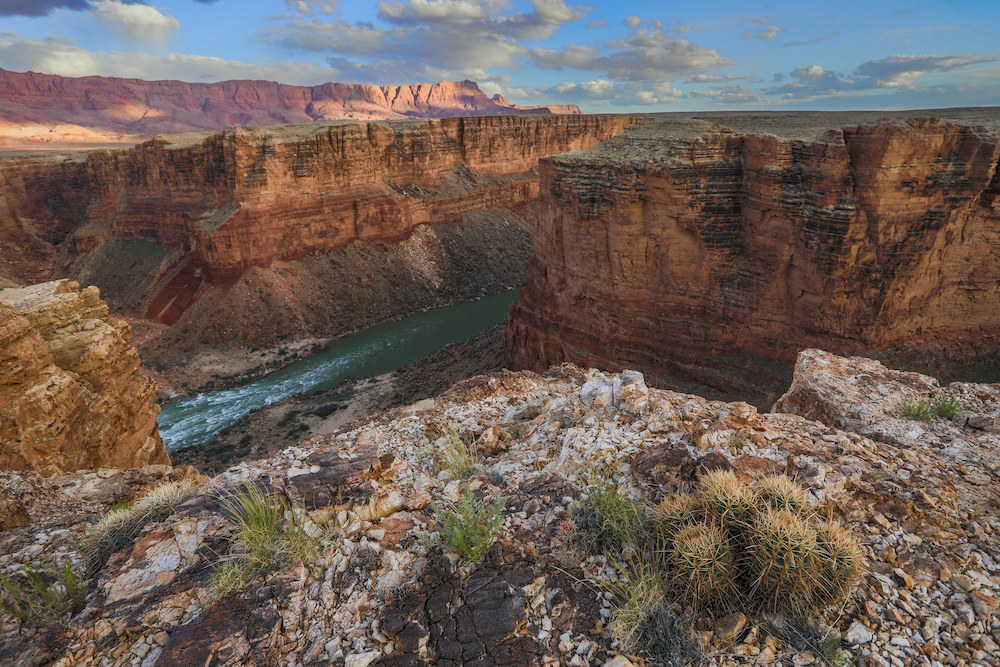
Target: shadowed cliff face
(259,235)
(711,259)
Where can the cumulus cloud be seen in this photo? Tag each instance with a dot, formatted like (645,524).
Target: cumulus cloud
(63,57)
(729,95)
(899,72)
(633,21)
(646,55)
(417,37)
(596,24)
(599,91)
(135,21)
(38,7)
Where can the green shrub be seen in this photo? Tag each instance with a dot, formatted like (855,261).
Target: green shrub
(468,527)
(948,407)
(48,594)
(921,410)
(123,523)
(267,536)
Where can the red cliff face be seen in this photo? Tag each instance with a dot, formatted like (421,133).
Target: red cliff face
(252,215)
(711,259)
(39,109)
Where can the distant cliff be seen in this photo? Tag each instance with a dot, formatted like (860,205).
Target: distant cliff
(70,393)
(709,257)
(40,109)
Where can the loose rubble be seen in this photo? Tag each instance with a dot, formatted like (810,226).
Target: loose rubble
(924,506)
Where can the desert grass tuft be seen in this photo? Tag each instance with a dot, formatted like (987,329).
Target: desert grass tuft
(948,407)
(453,454)
(121,525)
(267,535)
(638,590)
(47,595)
(612,521)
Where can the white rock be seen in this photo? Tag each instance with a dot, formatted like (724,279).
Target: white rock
(858,634)
(362,659)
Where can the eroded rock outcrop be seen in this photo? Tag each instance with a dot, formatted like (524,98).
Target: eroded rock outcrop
(37,110)
(71,396)
(709,257)
(385,594)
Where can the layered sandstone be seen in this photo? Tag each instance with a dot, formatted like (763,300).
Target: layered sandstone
(710,256)
(39,110)
(301,229)
(70,393)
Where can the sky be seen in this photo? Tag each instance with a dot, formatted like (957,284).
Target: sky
(602,55)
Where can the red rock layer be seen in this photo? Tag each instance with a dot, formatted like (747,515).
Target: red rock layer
(71,396)
(714,259)
(39,108)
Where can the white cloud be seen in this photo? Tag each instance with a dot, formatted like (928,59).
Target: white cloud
(770,33)
(596,24)
(138,22)
(898,72)
(598,91)
(646,55)
(54,56)
(633,21)
(729,95)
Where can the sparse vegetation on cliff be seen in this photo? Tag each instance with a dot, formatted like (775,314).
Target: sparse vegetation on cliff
(728,547)
(122,524)
(468,526)
(267,535)
(49,593)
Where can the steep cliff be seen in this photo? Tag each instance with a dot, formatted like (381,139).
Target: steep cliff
(710,256)
(70,393)
(256,236)
(37,110)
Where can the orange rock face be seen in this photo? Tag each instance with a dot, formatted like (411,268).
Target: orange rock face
(39,109)
(70,393)
(244,221)
(711,258)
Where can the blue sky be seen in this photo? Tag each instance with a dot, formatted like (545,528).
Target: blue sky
(602,55)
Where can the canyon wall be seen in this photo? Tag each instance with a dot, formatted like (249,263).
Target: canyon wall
(310,230)
(39,110)
(70,393)
(709,257)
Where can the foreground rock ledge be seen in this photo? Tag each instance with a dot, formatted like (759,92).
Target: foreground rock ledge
(71,396)
(925,509)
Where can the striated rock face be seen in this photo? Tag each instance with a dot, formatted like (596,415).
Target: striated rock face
(70,393)
(37,110)
(261,222)
(710,257)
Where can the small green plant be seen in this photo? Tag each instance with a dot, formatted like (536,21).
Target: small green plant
(267,536)
(468,526)
(48,594)
(809,635)
(738,440)
(123,523)
(948,407)
(920,409)
(612,521)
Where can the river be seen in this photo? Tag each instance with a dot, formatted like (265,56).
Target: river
(385,347)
